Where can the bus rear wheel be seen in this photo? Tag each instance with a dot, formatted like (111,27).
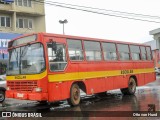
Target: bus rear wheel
(131,87)
(74,99)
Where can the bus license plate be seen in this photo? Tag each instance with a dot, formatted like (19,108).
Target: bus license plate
(20,95)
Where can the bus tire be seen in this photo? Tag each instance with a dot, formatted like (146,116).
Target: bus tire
(2,95)
(74,99)
(131,87)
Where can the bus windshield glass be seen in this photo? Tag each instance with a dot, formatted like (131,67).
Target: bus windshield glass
(27,59)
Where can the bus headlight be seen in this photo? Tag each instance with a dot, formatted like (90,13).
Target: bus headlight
(38,89)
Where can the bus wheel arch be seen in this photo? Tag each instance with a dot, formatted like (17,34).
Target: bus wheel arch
(82,86)
(131,89)
(74,98)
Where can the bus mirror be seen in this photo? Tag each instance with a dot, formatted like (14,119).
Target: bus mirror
(54,46)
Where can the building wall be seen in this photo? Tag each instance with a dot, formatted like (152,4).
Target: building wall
(17,19)
(35,13)
(156,36)
(153,44)
(155,52)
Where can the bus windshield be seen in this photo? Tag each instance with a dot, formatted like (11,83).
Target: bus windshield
(27,59)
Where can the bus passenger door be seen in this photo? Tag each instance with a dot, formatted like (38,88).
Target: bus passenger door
(56,62)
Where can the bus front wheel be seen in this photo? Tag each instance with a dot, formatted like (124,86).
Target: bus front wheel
(2,96)
(131,87)
(74,95)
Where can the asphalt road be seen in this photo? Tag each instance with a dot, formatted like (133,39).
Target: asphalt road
(114,104)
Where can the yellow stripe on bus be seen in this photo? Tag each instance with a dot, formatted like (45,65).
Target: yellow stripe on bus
(97,74)
(27,77)
(79,75)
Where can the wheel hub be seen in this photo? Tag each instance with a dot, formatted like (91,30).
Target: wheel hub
(1,97)
(132,86)
(76,94)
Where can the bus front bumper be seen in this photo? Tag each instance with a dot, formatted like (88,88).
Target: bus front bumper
(27,96)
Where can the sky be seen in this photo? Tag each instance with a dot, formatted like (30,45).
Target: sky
(92,25)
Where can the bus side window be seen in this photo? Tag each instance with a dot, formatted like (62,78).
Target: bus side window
(135,52)
(109,51)
(143,53)
(57,58)
(149,55)
(75,49)
(93,51)
(123,51)
(59,54)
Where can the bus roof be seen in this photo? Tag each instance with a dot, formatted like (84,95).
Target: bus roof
(79,37)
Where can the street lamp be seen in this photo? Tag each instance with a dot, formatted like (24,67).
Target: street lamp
(63,22)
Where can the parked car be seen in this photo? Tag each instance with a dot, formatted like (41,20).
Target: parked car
(2,87)
(157,70)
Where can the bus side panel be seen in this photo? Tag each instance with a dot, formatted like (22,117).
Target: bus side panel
(58,91)
(120,82)
(99,85)
(109,83)
(95,85)
(149,77)
(140,79)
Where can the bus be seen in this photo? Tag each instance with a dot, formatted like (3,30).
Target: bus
(49,67)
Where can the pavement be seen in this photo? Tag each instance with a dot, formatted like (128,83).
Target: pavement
(9,102)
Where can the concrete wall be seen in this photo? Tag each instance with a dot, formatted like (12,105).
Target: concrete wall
(153,44)
(36,13)
(156,52)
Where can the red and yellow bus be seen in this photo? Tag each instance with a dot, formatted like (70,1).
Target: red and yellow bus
(52,67)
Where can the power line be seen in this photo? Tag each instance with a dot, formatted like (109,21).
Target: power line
(129,13)
(64,5)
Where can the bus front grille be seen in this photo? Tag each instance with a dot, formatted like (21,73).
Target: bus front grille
(27,86)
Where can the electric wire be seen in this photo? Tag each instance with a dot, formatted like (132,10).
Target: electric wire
(129,13)
(64,5)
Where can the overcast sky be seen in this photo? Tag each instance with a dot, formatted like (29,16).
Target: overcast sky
(101,26)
